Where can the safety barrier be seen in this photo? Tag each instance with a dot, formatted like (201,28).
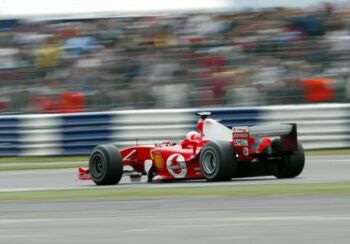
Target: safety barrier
(77,134)
(319,126)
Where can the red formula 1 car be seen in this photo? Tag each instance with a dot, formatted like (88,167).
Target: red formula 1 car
(214,152)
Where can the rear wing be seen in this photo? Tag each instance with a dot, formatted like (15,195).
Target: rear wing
(286,132)
(240,135)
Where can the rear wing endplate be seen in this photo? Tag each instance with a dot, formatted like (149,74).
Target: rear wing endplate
(287,133)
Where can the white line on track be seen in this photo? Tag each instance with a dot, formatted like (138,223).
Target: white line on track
(200,226)
(40,164)
(235,219)
(38,171)
(143,230)
(235,237)
(42,189)
(330,161)
(291,218)
(15,236)
(29,220)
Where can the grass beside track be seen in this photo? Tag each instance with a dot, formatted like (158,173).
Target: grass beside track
(328,152)
(158,192)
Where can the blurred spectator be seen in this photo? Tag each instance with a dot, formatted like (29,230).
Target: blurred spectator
(267,56)
(48,54)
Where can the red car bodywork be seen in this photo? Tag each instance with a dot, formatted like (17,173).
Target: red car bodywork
(169,161)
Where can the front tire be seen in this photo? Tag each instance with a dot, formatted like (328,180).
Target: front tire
(218,161)
(291,165)
(106,165)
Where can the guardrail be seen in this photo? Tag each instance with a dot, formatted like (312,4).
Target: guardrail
(319,126)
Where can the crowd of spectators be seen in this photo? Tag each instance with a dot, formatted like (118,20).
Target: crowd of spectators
(248,58)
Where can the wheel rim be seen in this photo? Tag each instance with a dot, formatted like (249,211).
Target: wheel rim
(210,162)
(97,165)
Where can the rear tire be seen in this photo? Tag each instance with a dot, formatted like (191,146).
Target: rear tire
(106,165)
(291,165)
(218,161)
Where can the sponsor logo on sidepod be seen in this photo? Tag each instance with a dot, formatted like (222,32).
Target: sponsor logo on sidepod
(176,165)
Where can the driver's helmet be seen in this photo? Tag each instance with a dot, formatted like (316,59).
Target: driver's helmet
(193,135)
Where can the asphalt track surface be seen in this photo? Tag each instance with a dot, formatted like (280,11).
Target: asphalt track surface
(219,220)
(285,219)
(318,169)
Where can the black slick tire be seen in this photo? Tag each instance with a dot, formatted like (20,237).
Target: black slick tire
(289,166)
(106,165)
(218,161)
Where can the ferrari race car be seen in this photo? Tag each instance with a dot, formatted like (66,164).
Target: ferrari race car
(214,152)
